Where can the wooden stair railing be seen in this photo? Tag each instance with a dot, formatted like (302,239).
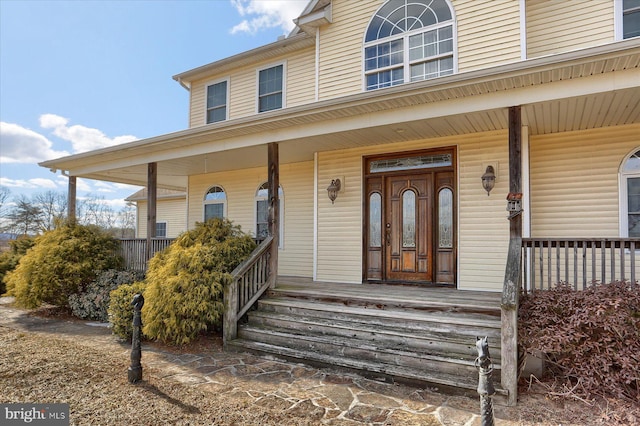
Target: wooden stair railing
(509,319)
(249,281)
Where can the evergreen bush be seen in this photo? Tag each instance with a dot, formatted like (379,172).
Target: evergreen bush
(62,262)
(120,311)
(94,301)
(185,283)
(9,259)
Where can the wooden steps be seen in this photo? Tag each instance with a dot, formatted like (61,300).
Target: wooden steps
(412,334)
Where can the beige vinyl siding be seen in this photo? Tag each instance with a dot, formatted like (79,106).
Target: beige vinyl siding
(296,180)
(301,75)
(483,229)
(172,211)
(299,80)
(575,194)
(198,103)
(574,181)
(561,26)
(341,45)
(488,33)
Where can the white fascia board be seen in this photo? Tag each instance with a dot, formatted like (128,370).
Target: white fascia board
(316,19)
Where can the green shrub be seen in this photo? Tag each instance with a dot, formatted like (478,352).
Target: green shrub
(591,337)
(120,310)
(62,262)
(94,301)
(9,259)
(186,282)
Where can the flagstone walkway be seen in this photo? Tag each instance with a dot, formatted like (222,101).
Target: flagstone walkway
(332,397)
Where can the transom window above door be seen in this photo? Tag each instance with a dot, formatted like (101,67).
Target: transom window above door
(409,40)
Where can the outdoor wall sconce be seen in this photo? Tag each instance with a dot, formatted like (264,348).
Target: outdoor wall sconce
(489,179)
(333,189)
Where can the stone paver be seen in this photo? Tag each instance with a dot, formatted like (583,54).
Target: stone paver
(332,397)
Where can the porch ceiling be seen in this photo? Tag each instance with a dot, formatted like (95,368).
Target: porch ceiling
(576,93)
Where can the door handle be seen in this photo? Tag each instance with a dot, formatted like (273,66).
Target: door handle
(388,234)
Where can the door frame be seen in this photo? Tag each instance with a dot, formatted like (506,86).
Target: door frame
(443,177)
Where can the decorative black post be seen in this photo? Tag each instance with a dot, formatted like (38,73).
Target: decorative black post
(135,371)
(485,382)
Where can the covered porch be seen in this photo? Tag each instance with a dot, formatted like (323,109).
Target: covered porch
(501,110)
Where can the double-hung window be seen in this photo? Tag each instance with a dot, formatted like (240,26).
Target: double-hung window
(409,40)
(161,229)
(217,102)
(627,18)
(271,88)
(630,18)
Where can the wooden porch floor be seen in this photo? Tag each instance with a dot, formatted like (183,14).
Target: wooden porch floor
(395,295)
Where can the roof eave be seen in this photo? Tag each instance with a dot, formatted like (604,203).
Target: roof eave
(300,40)
(377,96)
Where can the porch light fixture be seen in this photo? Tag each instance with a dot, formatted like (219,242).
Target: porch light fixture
(333,189)
(489,179)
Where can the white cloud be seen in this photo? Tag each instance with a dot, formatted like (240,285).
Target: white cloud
(263,14)
(105,187)
(35,183)
(83,185)
(82,138)
(22,145)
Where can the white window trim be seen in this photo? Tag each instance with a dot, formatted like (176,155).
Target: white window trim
(617,20)
(407,72)
(618,27)
(623,202)
(224,203)
(166,228)
(206,90)
(284,86)
(281,211)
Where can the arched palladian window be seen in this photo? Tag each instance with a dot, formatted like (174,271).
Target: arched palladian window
(215,201)
(409,40)
(630,196)
(262,212)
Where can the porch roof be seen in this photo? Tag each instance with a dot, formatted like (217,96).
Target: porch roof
(589,88)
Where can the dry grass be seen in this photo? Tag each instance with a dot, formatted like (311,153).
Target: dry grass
(39,368)
(91,377)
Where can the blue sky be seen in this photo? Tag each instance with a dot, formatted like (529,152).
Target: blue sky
(80,75)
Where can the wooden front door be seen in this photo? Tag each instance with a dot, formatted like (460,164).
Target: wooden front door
(408,228)
(410,219)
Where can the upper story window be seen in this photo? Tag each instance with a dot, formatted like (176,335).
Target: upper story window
(217,102)
(630,18)
(627,19)
(409,40)
(215,201)
(630,196)
(271,88)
